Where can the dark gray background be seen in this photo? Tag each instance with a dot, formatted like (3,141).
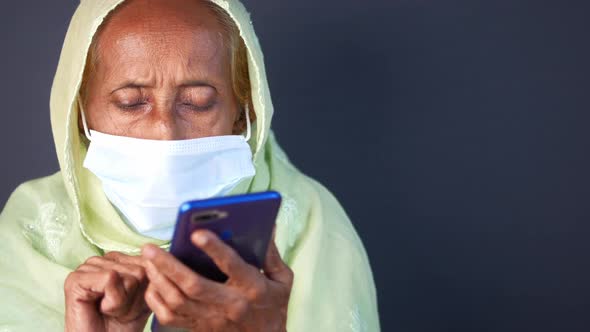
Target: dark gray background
(453,132)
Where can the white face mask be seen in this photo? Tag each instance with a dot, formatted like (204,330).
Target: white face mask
(148,180)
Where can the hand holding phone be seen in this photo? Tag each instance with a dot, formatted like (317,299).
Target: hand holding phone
(226,287)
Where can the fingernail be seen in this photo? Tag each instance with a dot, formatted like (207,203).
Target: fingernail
(200,239)
(148,251)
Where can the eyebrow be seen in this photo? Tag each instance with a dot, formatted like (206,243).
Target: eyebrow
(187,84)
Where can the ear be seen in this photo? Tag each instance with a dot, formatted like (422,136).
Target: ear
(240,123)
(80,121)
(80,124)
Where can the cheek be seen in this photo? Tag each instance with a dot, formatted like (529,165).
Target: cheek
(95,118)
(96,109)
(100,117)
(218,121)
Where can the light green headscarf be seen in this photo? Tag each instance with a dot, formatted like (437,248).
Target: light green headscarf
(52,225)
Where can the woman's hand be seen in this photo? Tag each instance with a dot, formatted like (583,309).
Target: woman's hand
(248,301)
(107,294)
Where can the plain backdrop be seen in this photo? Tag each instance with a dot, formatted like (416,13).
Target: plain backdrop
(454,133)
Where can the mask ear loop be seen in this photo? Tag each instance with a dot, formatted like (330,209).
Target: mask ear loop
(248,125)
(84,123)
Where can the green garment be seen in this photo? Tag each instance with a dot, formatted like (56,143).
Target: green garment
(51,225)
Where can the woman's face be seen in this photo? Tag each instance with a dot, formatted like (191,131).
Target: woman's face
(162,72)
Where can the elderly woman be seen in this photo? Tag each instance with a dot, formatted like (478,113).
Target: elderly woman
(156,102)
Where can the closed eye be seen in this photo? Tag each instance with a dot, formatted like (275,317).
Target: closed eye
(133,103)
(132,107)
(196,108)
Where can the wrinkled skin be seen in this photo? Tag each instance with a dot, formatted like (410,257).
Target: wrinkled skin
(250,301)
(107,294)
(117,292)
(150,83)
(162,72)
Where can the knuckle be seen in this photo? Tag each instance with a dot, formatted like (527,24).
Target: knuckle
(234,263)
(239,310)
(165,317)
(290,276)
(194,287)
(149,295)
(175,302)
(130,283)
(139,273)
(111,276)
(112,255)
(115,301)
(258,290)
(118,300)
(94,260)
(71,280)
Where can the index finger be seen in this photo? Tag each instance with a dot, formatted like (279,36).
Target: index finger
(226,258)
(193,285)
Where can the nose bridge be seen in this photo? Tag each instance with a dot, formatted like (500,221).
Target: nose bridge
(164,120)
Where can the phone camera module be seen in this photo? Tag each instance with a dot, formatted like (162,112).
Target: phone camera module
(208,216)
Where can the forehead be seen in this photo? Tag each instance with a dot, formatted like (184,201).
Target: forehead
(159,31)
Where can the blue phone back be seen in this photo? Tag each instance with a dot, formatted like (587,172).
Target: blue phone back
(245,222)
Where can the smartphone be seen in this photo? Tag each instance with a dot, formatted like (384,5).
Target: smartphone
(244,222)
